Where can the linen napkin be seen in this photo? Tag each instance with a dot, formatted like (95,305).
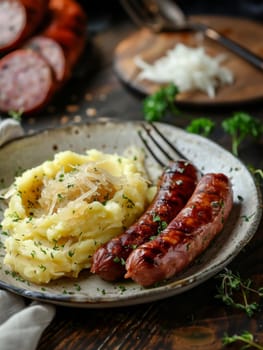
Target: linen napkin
(21,325)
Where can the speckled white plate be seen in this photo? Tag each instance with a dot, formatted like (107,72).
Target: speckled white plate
(89,290)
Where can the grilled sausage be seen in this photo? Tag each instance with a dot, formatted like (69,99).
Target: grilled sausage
(18,20)
(174,189)
(60,46)
(187,236)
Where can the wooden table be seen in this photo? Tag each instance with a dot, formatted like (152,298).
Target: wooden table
(193,320)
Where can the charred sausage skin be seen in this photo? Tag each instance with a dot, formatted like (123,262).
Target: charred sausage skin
(187,236)
(175,187)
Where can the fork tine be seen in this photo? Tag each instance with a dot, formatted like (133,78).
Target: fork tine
(158,160)
(166,154)
(160,148)
(143,13)
(180,154)
(135,11)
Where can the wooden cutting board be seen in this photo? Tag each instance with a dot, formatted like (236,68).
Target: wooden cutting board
(248,85)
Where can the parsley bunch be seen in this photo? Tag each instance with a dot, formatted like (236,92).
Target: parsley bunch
(156,105)
(240,126)
(201,126)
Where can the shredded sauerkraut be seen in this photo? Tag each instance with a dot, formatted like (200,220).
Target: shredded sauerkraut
(188,68)
(86,182)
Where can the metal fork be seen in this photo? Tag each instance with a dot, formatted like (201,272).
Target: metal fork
(165,15)
(156,139)
(147,13)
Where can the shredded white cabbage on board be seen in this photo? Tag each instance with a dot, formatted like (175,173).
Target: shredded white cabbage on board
(188,68)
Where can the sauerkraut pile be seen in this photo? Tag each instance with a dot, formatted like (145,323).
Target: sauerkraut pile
(61,211)
(189,68)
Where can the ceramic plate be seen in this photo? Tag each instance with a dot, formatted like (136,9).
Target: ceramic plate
(89,290)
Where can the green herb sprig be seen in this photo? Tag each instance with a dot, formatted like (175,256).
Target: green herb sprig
(245,337)
(240,126)
(201,126)
(233,288)
(16,115)
(156,105)
(257,173)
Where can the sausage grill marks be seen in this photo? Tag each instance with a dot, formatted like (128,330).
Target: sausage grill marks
(59,46)
(187,236)
(175,187)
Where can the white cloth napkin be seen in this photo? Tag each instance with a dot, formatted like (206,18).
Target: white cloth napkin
(21,325)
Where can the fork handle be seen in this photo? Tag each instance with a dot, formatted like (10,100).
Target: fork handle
(234,47)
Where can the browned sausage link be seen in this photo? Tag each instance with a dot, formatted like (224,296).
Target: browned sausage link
(187,236)
(18,20)
(174,189)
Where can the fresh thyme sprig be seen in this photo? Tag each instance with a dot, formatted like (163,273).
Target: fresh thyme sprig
(245,337)
(233,288)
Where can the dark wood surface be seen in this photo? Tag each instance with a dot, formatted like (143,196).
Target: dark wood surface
(193,320)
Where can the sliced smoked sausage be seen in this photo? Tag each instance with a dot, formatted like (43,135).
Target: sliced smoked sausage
(53,53)
(18,20)
(26,81)
(63,39)
(59,46)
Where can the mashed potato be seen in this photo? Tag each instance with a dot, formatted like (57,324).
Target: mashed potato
(60,212)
